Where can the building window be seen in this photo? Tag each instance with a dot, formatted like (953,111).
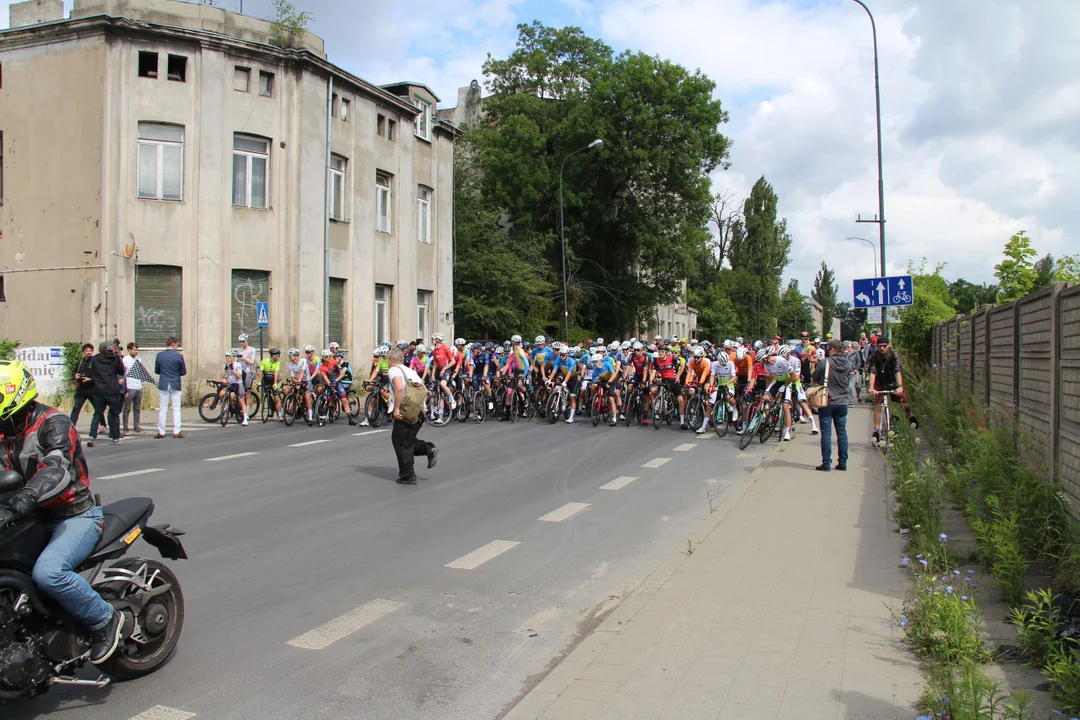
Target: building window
(422,124)
(147,64)
(266,83)
(382,313)
(1,168)
(242,79)
(345,105)
(161,161)
(334,105)
(158,292)
(3,297)
(391,130)
(251,171)
(337,187)
(337,310)
(423,313)
(249,288)
(177,68)
(423,214)
(380,125)
(383,199)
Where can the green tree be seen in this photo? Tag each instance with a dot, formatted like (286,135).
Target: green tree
(793,312)
(825,291)
(931,303)
(1067,269)
(852,320)
(1044,273)
(1016,274)
(758,252)
(288,26)
(968,297)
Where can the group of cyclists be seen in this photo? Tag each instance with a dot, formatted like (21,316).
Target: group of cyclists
(482,379)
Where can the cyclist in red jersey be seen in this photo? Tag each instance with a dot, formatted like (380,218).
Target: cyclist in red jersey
(444,361)
(663,371)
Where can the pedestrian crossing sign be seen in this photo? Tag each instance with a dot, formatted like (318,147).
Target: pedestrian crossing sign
(263,313)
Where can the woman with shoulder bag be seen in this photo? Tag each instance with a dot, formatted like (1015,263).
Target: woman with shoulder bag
(832,400)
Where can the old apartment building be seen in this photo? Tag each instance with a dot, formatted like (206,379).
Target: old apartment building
(186,169)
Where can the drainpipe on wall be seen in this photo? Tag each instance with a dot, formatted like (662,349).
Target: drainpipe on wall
(326,214)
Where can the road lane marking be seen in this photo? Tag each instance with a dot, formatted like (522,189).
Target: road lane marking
(481,555)
(685,446)
(566,511)
(309,442)
(618,483)
(230,457)
(345,625)
(160,712)
(133,473)
(656,462)
(369,432)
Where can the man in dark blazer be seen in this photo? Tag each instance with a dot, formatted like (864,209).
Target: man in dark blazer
(169,367)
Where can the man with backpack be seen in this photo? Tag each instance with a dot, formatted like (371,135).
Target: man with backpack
(406,405)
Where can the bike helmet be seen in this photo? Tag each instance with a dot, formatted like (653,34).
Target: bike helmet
(820,354)
(599,341)
(762,353)
(633,340)
(638,345)
(309,348)
(274,351)
(326,353)
(614,346)
(758,344)
(17,388)
(658,338)
(739,340)
(652,348)
(334,346)
(596,357)
(506,344)
(230,354)
(539,340)
(575,352)
(699,352)
(294,352)
(693,341)
(515,339)
(563,350)
(526,345)
(740,354)
(626,345)
(499,350)
(421,349)
(243,337)
(402,345)
(436,337)
(490,345)
(674,338)
(459,342)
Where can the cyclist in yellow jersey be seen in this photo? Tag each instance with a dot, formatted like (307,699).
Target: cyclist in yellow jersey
(271,369)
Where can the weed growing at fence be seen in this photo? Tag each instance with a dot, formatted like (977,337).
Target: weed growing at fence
(964,692)
(941,619)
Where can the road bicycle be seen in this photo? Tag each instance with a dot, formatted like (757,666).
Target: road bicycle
(723,416)
(376,407)
(470,401)
(294,406)
(886,419)
(634,406)
(268,408)
(352,401)
(558,403)
(210,404)
(663,407)
(601,408)
(231,407)
(753,416)
(695,407)
(772,418)
(436,406)
(327,405)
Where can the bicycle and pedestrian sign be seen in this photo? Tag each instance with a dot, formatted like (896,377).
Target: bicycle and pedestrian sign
(879,292)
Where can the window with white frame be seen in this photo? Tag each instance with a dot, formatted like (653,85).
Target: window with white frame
(423,313)
(251,171)
(382,313)
(161,161)
(423,214)
(383,198)
(422,123)
(337,187)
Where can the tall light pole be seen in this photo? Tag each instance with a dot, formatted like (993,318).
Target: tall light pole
(880,181)
(871,244)
(562,233)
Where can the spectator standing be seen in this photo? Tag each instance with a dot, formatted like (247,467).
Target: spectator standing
(136,374)
(838,367)
(107,371)
(84,383)
(169,367)
(403,437)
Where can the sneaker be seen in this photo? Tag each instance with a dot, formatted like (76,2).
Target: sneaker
(621,416)
(613,422)
(491,406)
(245,421)
(365,423)
(814,430)
(701,431)
(433,457)
(683,426)
(787,435)
(116,441)
(738,431)
(645,421)
(139,430)
(104,641)
(453,404)
(914,422)
(803,420)
(876,437)
(409,481)
(90,442)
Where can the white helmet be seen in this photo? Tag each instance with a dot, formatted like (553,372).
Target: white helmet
(739,340)
(334,346)
(515,339)
(498,349)
(436,337)
(309,348)
(242,337)
(600,349)
(294,352)
(625,345)
(821,353)
(383,350)
(698,352)
(758,344)
(326,353)
(727,343)
(596,357)
(539,339)
(599,341)
(633,340)
(421,349)
(762,353)
(459,342)
(638,346)
(740,354)
(658,338)
(230,354)
(614,346)
(693,341)
(674,338)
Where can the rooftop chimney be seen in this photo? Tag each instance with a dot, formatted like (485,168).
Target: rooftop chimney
(33,12)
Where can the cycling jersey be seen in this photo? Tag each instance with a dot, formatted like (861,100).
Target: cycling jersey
(347,378)
(640,362)
(517,362)
(542,356)
(724,371)
(567,365)
(605,372)
(699,368)
(329,369)
(269,368)
(665,366)
(300,371)
(419,365)
(795,368)
(234,372)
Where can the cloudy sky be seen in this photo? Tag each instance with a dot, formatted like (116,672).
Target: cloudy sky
(980,103)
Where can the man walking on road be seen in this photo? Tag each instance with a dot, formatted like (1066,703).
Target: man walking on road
(84,383)
(170,367)
(403,436)
(107,371)
(136,374)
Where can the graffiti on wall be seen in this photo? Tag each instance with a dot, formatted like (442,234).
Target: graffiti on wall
(247,294)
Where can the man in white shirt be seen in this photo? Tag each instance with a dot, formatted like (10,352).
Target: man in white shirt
(246,356)
(134,395)
(403,436)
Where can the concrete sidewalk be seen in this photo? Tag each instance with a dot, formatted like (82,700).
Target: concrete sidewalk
(781,611)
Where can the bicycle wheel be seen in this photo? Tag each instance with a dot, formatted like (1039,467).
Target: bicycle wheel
(226,410)
(694,411)
(210,408)
(253,404)
(321,410)
(462,410)
(372,408)
(750,430)
(886,426)
(658,410)
(265,414)
(288,410)
(353,404)
(551,410)
(721,416)
(441,413)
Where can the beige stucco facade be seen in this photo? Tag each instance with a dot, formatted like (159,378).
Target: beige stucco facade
(71,103)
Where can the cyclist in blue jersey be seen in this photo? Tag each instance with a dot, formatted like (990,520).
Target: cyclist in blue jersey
(603,371)
(565,371)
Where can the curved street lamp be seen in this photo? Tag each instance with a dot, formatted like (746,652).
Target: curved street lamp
(871,244)
(562,234)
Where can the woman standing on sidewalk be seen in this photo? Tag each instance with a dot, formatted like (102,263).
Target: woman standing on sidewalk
(839,368)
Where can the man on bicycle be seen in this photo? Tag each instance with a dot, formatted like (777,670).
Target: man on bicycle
(516,368)
(565,372)
(233,374)
(886,379)
(777,375)
(637,368)
(443,363)
(662,371)
(539,354)
(795,368)
(603,371)
(724,380)
(698,371)
(300,373)
(270,369)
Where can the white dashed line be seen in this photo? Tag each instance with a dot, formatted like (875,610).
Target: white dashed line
(160,712)
(656,462)
(618,483)
(686,446)
(309,442)
(480,556)
(230,457)
(133,473)
(345,625)
(369,432)
(567,510)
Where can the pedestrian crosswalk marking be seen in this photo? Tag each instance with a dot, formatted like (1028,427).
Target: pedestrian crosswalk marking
(369,432)
(345,625)
(686,446)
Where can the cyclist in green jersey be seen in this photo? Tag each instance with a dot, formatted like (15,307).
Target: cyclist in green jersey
(271,368)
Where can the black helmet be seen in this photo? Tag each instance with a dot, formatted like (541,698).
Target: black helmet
(275,351)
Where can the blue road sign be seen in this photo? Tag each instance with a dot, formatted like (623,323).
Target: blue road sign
(878,292)
(262,309)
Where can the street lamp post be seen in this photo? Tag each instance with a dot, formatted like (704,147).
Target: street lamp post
(562,235)
(874,249)
(880,181)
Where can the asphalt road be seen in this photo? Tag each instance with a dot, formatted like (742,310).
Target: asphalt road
(293,538)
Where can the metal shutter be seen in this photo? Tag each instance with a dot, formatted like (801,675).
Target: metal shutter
(248,288)
(157,304)
(337,311)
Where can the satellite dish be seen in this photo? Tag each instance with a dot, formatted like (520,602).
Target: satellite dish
(129,246)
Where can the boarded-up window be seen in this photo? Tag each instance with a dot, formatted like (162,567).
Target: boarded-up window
(337,311)
(249,287)
(157,304)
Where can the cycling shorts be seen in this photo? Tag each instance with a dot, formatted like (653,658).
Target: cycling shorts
(775,387)
(672,385)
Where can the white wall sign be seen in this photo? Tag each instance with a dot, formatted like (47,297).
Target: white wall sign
(46,362)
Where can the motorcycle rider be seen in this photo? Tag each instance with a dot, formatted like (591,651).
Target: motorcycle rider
(42,445)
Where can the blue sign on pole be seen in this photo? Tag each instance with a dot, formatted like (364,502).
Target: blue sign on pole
(262,310)
(879,292)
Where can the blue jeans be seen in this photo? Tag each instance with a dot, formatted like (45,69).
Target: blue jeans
(72,542)
(828,415)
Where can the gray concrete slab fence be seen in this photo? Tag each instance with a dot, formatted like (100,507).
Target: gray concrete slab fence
(1026,355)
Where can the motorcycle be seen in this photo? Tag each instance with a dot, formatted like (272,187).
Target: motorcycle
(41,645)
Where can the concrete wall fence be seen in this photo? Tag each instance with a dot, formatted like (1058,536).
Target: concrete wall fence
(1026,355)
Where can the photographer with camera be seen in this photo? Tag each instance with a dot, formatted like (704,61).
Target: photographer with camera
(107,395)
